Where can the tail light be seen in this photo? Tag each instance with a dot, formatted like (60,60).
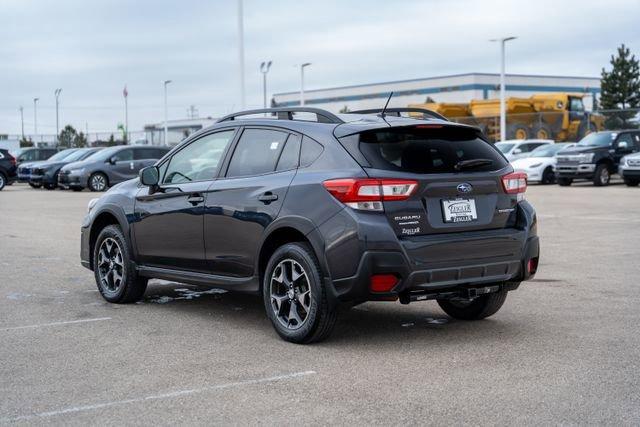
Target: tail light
(515,183)
(12,160)
(368,194)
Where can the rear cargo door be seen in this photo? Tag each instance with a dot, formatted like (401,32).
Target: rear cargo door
(458,175)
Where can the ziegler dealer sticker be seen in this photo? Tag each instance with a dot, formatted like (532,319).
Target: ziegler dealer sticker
(408,224)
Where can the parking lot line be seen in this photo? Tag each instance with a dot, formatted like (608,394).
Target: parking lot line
(167,395)
(43,325)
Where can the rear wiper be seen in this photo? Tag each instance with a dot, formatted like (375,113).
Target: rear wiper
(473,163)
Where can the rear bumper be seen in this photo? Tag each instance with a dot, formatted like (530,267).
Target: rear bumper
(445,263)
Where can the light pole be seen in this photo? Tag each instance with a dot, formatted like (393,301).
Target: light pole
(264,69)
(125,94)
(22,120)
(503,113)
(241,54)
(57,93)
(35,117)
(166,113)
(302,67)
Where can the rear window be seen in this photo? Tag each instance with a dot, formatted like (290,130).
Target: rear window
(424,151)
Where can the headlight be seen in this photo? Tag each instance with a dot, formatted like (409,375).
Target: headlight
(537,165)
(624,161)
(91,204)
(586,158)
(76,171)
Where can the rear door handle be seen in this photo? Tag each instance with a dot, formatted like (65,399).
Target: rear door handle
(268,197)
(195,199)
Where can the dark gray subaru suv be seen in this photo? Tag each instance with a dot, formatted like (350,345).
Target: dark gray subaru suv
(313,210)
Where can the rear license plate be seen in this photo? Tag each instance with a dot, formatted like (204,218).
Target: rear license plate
(459,210)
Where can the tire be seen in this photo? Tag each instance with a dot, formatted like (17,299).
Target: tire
(98,182)
(479,308)
(116,280)
(548,176)
(564,182)
(602,176)
(518,131)
(541,131)
(50,186)
(630,182)
(3,181)
(295,318)
(32,185)
(76,188)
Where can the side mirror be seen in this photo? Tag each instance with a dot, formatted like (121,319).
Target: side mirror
(150,176)
(111,160)
(517,151)
(623,146)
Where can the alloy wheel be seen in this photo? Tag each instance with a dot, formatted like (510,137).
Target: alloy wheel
(110,265)
(98,182)
(604,176)
(2,183)
(290,294)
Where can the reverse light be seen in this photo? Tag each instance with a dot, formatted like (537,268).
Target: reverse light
(382,282)
(368,194)
(515,183)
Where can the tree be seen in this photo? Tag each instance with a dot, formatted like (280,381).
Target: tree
(67,136)
(80,140)
(26,142)
(620,90)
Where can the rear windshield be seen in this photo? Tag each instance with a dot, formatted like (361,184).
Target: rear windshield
(427,150)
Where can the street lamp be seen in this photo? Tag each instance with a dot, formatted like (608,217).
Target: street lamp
(166,133)
(302,67)
(57,93)
(35,116)
(503,114)
(264,69)
(241,54)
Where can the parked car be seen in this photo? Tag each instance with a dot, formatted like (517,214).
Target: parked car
(7,168)
(314,214)
(517,148)
(596,156)
(25,168)
(109,167)
(45,174)
(34,154)
(540,163)
(630,169)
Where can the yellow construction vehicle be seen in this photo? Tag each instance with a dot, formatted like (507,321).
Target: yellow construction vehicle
(557,116)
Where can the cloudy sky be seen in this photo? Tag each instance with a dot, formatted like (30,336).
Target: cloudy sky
(92,48)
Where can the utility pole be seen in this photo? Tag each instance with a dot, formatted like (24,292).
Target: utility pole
(166,113)
(35,117)
(264,69)
(22,120)
(57,94)
(503,113)
(302,67)
(125,93)
(241,54)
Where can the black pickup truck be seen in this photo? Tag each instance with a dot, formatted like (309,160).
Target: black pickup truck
(596,156)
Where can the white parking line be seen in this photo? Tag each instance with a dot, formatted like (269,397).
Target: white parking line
(42,325)
(167,395)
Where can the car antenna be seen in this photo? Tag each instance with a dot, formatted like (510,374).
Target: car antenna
(386,105)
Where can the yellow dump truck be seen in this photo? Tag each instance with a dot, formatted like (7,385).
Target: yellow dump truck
(557,116)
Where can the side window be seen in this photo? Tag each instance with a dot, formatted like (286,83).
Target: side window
(290,154)
(28,156)
(256,152)
(123,156)
(310,151)
(626,137)
(145,154)
(199,160)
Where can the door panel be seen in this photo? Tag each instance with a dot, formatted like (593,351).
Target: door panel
(235,219)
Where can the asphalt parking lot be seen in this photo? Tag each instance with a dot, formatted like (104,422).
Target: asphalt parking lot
(565,348)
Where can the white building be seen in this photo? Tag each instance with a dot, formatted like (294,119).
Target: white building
(453,88)
(177,130)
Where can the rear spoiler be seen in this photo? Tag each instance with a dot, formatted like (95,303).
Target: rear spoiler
(396,112)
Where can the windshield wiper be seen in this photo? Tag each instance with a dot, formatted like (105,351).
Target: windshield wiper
(473,163)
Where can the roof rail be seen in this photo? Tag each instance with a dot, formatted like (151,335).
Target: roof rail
(284,113)
(396,112)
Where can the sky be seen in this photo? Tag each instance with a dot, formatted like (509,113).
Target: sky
(92,48)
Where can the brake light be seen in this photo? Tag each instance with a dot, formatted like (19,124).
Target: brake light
(368,194)
(12,160)
(515,183)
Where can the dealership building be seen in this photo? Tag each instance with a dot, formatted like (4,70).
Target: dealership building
(452,88)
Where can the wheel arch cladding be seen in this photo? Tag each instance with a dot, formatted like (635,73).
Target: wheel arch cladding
(277,238)
(102,220)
